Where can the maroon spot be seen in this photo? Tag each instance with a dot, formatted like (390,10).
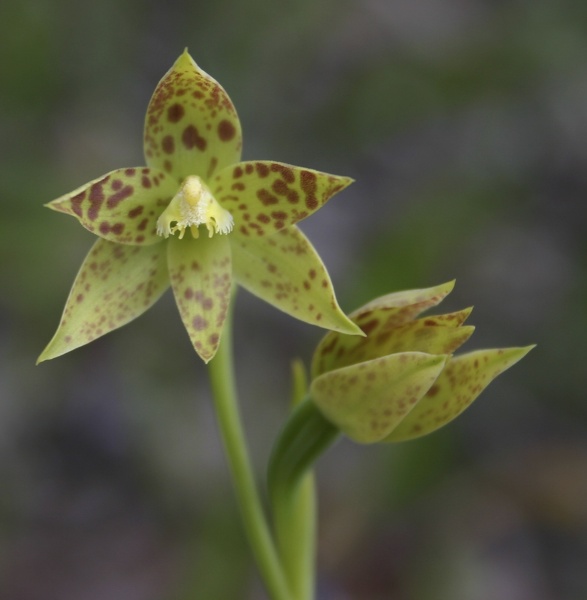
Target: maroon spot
(370,326)
(293,197)
(249,168)
(312,274)
(76,203)
(168,144)
(286,172)
(263,218)
(266,198)
(96,200)
(191,138)
(213,339)
(226,130)
(262,169)
(280,187)
(130,172)
(281,216)
(212,167)
(145,182)
(308,181)
(79,298)
(118,228)
(311,202)
(238,172)
(143,225)
(175,113)
(307,285)
(207,303)
(199,323)
(189,294)
(104,228)
(168,166)
(433,391)
(117,198)
(135,212)
(238,186)
(116,184)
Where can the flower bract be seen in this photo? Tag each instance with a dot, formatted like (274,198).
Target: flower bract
(198,219)
(402,381)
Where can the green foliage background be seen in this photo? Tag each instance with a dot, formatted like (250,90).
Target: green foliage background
(465,127)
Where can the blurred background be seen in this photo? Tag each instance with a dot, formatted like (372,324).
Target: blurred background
(464,124)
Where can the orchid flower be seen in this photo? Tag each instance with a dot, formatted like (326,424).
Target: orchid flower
(402,380)
(196,218)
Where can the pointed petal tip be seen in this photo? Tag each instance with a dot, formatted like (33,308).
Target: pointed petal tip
(54,205)
(449,285)
(48,354)
(523,350)
(354,330)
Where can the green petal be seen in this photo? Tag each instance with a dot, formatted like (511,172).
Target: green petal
(265,196)
(191,127)
(404,306)
(121,206)
(463,379)
(200,274)
(115,285)
(368,400)
(285,270)
(379,318)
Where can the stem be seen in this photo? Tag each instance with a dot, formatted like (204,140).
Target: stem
(221,371)
(294,517)
(306,435)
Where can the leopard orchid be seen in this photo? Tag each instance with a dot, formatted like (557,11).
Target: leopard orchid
(149,222)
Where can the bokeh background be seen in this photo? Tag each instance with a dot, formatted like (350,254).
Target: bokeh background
(464,124)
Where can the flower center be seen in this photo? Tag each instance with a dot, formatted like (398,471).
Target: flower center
(192,206)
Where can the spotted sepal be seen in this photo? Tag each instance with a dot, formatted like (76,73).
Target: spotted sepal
(284,270)
(462,380)
(264,197)
(121,206)
(389,325)
(115,285)
(200,273)
(191,126)
(367,401)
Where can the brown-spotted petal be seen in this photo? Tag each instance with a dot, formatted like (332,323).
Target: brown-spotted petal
(191,126)
(121,206)
(264,197)
(285,270)
(368,400)
(379,318)
(115,285)
(200,273)
(462,380)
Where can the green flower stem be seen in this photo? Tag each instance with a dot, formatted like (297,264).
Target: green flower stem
(222,380)
(295,517)
(306,435)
